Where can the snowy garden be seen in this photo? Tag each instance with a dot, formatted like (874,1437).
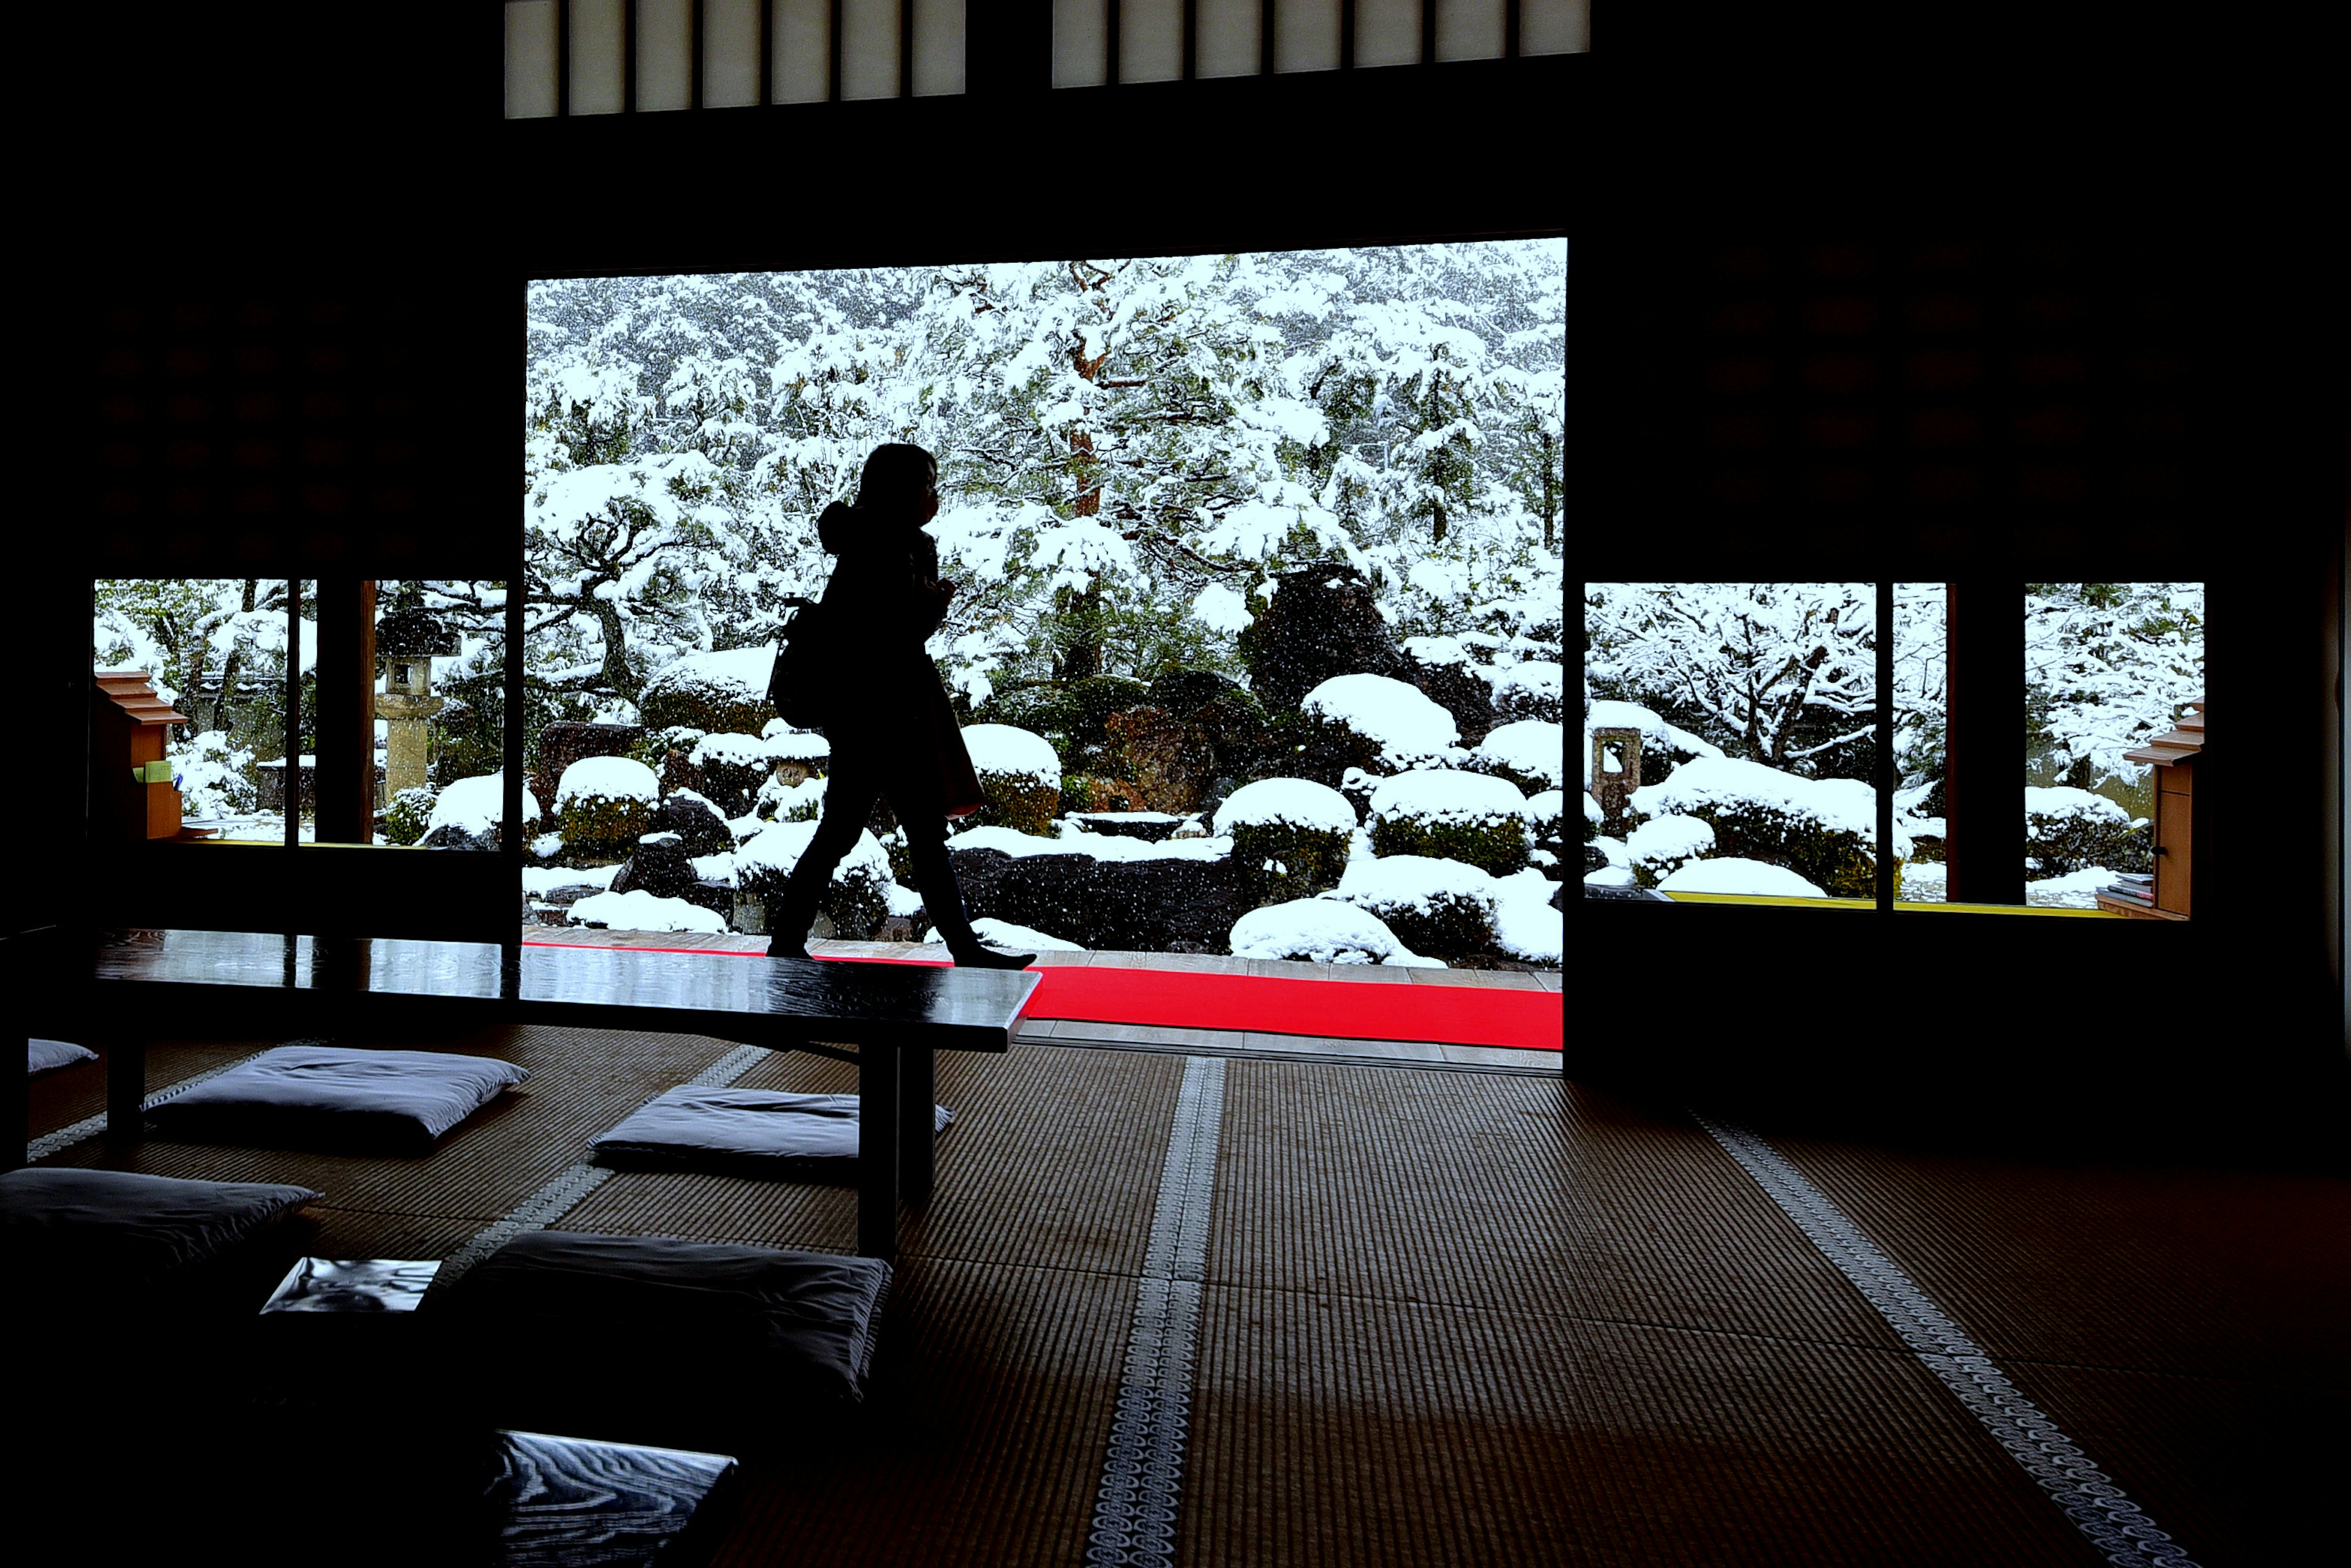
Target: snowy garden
(1258,648)
(1730,735)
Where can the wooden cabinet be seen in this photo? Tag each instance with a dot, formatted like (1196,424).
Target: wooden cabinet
(2174,755)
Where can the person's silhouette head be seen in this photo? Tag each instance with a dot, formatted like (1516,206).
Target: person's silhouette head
(898,490)
(900,480)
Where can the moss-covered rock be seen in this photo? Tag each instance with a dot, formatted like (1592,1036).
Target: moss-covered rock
(1446,814)
(408,814)
(1180,691)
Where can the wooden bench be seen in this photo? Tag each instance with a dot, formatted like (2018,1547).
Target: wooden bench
(896,1015)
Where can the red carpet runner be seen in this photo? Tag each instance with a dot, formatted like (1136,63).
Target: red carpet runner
(1344,1009)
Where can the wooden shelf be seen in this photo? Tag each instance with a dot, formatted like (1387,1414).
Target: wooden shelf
(2124,906)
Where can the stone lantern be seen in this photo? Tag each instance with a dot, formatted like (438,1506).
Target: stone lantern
(1616,773)
(407,640)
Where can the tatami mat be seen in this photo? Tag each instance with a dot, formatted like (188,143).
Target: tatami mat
(1447,1317)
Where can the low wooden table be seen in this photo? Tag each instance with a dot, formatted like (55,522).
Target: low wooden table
(896,1015)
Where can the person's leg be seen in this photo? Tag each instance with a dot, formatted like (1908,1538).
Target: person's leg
(921,813)
(850,786)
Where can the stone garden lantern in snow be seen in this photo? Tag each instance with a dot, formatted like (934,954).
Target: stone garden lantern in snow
(407,640)
(1616,773)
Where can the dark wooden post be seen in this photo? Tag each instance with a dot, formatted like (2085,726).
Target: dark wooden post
(1983,729)
(345,731)
(878,1093)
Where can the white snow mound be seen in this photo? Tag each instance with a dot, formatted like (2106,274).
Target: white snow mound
(608,778)
(1732,874)
(477,805)
(1530,747)
(1448,795)
(1416,882)
(733,674)
(1525,926)
(729,751)
(1011,752)
(1315,930)
(638,910)
(1397,718)
(1286,803)
(779,846)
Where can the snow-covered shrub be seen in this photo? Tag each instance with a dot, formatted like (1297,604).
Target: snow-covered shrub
(1530,754)
(1019,774)
(1733,873)
(732,762)
(2067,831)
(1823,830)
(777,802)
(604,802)
(642,911)
(1532,691)
(1290,835)
(1663,845)
(720,692)
(1376,723)
(1451,815)
(856,901)
(468,813)
(1431,905)
(216,776)
(797,747)
(1547,831)
(407,814)
(1316,931)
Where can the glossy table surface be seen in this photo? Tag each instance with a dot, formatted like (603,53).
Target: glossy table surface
(730,996)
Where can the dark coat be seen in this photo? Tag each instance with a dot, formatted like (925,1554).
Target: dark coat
(881,606)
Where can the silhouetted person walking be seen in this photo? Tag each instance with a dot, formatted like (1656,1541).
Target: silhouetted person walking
(886,711)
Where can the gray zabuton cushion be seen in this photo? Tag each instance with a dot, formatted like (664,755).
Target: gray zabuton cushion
(747,1322)
(744,1131)
(338,1099)
(48,1055)
(87,1233)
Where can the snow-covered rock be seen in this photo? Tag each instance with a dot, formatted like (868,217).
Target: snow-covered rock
(1609,876)
(1531,753)
(1432,905)
(474,808)
(1315,930)
(1399,725)
(1732,874)
(642,911)
(786,744)
(1286,803)
(1094,846)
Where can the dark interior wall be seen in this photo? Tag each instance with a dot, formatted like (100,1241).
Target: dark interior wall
(1774,212)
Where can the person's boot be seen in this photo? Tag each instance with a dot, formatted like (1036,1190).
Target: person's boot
(963,944)
(788,921)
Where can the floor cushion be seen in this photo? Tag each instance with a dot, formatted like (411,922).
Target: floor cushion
(338,1099)
(107,1239)
(48,1055)
(743,1132)
(650,1338)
